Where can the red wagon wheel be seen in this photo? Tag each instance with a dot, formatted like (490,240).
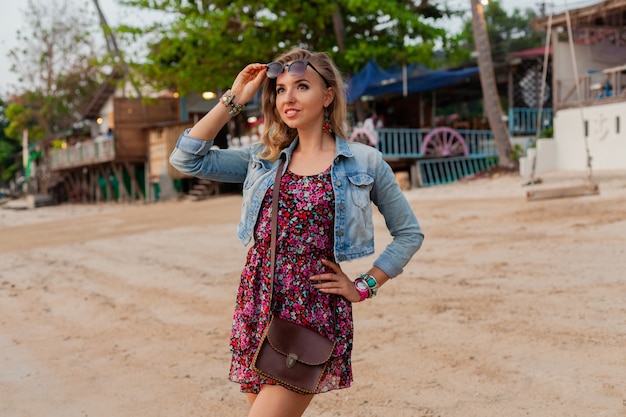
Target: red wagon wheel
(444,141)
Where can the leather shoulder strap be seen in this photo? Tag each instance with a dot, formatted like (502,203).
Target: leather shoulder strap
(275,198)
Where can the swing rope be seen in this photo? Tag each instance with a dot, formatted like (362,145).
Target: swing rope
(580,98)
(544,76)
(578,93)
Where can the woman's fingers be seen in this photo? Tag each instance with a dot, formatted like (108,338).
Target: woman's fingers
(335,283)
(249,81)
(334,266)
(342,287)
(337,276)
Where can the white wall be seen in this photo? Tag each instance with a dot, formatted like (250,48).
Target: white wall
(606,144)
(543,156)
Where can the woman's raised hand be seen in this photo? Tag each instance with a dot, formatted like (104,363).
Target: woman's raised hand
(248,82)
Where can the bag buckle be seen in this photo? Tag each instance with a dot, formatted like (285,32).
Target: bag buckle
(292,358)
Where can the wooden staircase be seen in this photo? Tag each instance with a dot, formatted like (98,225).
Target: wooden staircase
(204,189)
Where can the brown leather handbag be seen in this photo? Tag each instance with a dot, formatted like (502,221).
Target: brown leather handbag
(290,354)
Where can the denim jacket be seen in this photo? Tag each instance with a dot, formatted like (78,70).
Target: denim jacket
(359,177)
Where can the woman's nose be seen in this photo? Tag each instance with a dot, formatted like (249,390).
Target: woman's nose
(289,96)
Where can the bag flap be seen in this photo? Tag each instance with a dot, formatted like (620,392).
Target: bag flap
(289,338)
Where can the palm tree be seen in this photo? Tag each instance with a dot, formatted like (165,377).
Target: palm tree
(490,91)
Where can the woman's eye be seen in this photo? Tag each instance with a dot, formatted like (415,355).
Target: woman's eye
(303,86)
(279,90)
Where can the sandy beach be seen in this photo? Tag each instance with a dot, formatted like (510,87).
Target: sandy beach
(511,308)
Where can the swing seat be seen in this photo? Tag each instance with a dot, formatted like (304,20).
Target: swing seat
(575,191)
(589,188)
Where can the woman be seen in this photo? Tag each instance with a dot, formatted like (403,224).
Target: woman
(324,215)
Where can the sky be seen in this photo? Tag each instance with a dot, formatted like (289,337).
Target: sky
(12,16)
(12,20)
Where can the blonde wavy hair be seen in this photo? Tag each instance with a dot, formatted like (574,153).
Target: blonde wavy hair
(276,134)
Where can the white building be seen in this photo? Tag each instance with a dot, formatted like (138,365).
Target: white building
(589,89)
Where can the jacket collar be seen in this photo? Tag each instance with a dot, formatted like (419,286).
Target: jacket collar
(342,148)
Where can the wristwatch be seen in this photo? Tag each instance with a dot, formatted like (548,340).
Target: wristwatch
(362,288)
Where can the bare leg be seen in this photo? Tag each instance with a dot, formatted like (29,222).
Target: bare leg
(276,401)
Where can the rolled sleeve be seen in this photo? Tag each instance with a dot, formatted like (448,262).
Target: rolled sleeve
(192,145)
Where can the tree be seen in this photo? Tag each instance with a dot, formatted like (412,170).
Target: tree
(207,43)
(491,97)
(493,34)
(510,33)
(8,148)
(22,117)
(506,32)
(56,64)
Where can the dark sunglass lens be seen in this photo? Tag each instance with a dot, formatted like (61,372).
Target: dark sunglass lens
(274,69)
(297,68)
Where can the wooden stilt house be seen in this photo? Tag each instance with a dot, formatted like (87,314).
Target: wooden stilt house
(107,157)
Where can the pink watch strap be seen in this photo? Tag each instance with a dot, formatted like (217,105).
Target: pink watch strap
(363,292)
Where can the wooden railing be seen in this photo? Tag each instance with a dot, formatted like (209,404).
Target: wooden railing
(598,87)
(393,143)
(479,142)
(401,143)
(84,153)
(523,121)
(407,143)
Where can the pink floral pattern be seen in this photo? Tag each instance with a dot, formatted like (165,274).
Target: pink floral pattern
(305,236)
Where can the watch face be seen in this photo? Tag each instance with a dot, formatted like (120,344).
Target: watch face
(361,285)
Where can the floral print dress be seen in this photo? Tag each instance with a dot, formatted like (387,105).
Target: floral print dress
(304,238)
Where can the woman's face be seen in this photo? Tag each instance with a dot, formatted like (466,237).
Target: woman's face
(301,99)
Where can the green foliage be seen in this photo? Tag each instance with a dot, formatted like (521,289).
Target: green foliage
(20,117)
(208,43)
(9,147)
(507,33)
(517,152)
(547,133)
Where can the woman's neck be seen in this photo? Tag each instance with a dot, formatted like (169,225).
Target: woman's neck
(314,154)
(311,143)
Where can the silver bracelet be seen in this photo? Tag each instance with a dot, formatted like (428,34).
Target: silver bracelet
(371,282)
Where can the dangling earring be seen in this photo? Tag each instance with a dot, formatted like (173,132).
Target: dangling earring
(326,125)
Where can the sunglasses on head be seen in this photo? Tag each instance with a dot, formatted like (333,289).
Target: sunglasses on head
(297,68)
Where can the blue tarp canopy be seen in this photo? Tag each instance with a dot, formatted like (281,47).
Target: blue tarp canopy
(371,74)
(374,81)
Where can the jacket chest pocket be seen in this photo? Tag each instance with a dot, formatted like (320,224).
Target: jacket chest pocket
(359,189)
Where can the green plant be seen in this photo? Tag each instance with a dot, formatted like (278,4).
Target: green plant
(517,152)
(547,133)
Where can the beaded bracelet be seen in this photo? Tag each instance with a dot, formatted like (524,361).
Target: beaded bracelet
(371,283)
(227,101)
